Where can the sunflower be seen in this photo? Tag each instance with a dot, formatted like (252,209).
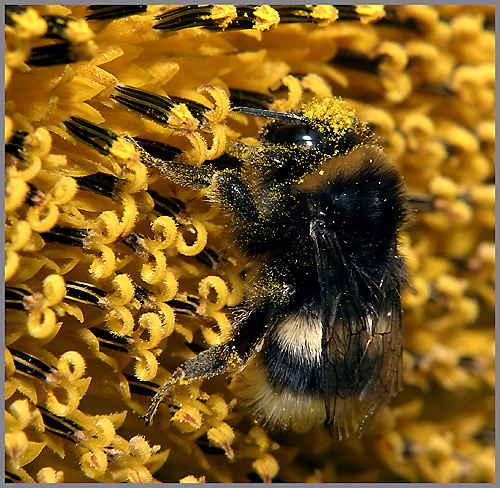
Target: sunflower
(115,276)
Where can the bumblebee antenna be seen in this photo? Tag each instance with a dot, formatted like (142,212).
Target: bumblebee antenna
(293,118)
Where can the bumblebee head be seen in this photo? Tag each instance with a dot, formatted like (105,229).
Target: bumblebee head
(294,144)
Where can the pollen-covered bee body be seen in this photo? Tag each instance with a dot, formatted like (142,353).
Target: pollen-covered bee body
(316,207)
(338,252)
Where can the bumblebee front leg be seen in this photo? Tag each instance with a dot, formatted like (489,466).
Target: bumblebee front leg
(225,187)
(196,177)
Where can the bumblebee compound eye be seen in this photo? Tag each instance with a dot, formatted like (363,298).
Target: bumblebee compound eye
(291,150)
(299,134)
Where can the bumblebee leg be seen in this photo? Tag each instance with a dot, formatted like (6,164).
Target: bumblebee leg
(226,187)
(248,331)
(257,318)
(234,195)
(184,174)
(214,361)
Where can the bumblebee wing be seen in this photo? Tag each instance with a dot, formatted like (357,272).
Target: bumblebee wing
(361,367)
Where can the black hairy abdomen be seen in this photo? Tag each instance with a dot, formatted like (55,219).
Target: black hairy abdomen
(292,353)
(289,371)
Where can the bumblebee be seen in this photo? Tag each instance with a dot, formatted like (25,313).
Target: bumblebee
(315,207)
